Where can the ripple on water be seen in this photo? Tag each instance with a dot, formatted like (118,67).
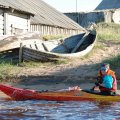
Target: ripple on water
(51,110)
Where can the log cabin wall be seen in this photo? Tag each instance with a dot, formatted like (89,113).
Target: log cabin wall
(13,22)
(1,23)
(16,23)
(52,30)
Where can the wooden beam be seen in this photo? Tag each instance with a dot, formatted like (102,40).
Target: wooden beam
(80,42)
(20,53)
(44,46)
(5,23)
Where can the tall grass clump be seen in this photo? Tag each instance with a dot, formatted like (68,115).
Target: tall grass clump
(5,69)
(8,65)
(51,37)
(108,31)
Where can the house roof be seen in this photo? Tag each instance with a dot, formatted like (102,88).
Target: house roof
(12,8)
(43,13)
(108,4)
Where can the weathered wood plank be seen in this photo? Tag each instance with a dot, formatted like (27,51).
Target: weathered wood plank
(29,56)
(41,55)
(38,53)
(20,53)
(80,42)
(44,46)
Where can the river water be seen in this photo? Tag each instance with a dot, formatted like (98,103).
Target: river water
(51,110)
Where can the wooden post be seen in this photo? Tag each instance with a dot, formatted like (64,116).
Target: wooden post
(20,53)
(44,46)
(5,23)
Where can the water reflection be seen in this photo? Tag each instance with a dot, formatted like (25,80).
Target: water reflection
(51,110)
(104,104)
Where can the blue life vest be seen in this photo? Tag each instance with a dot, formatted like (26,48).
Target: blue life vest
(108,81)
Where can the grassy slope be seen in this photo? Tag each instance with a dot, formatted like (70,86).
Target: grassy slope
(110,33)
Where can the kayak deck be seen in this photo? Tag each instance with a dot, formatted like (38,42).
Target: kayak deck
(67,95)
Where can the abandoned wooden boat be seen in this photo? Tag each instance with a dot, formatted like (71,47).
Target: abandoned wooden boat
(64,95)
(52,50)
(11,42)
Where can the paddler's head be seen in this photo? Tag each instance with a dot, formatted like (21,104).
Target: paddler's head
(104,68)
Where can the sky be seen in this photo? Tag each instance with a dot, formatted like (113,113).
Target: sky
(73,5)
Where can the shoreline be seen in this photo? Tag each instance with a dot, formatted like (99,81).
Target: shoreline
(54,87)
(50,82)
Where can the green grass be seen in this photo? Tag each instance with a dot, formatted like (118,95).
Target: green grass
(51,37)
(6,69)
(10,67)
(32,64)
(108,31)
(7,65)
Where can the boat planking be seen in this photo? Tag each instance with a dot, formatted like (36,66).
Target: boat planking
(71,47)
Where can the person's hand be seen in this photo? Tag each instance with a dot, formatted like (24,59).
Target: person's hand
(99,79)
(97,84)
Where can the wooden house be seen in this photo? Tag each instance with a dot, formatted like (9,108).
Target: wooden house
(13,21)
(17,16)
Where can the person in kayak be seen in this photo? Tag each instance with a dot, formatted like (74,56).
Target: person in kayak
(106,80)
